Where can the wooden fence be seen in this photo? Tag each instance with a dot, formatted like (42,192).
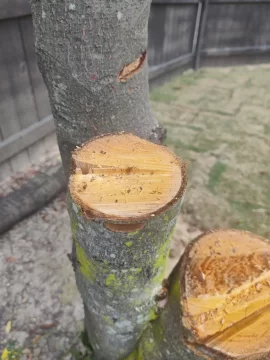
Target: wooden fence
(182,34)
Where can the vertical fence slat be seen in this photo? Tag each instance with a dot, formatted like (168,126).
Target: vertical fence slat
(24,98)
(205,6)
(9,120)
(14,8)
(38,86)
(196,28)
(17,70)
(172,28)
(18,106)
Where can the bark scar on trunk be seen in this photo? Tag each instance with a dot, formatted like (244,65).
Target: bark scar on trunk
(129,70)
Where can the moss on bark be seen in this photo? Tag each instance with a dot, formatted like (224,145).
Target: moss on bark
(118,282)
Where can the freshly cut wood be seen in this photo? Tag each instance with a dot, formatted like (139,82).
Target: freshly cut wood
(218,302)
(225,287)
(126,194)
(123,177)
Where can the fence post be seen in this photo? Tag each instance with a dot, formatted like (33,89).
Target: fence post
(204,13)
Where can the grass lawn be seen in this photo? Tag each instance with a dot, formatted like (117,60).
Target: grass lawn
(219,120)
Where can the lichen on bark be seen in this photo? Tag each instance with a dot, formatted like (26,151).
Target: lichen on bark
(118,275)
(122,180)
(163,337)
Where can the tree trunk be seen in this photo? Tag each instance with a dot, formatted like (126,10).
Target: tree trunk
(93,57)
(125,194)
(125,197)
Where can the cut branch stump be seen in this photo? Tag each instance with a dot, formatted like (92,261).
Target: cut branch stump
(218,305)
(125,195)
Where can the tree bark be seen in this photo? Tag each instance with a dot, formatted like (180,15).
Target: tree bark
(118,275)
(119,270)
(163,338)
(92,55)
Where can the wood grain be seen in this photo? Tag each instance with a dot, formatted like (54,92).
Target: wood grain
(122,176)
(226,293)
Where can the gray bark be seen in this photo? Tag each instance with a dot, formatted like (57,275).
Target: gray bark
(118,275)
(163,338)
(82,46)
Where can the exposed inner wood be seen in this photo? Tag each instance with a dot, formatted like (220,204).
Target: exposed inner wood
(121,176)
(226,293)
(124,227)
(129,70)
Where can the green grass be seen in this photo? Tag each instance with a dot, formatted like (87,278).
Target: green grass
(215,175)
(163,96)
(267,129)
(14,352)
(218,119)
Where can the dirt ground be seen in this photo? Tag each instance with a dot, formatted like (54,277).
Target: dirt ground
(38,295)
(218,119)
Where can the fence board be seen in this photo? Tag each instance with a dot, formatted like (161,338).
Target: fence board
(25,138)
(237,25)
(16,66)
(162,69)
(166,2)
(171,32)
(38,86)
(200,39)
(14,8)
(9,121)
(20,162)
(5,172)
(248,50)
(239,1)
